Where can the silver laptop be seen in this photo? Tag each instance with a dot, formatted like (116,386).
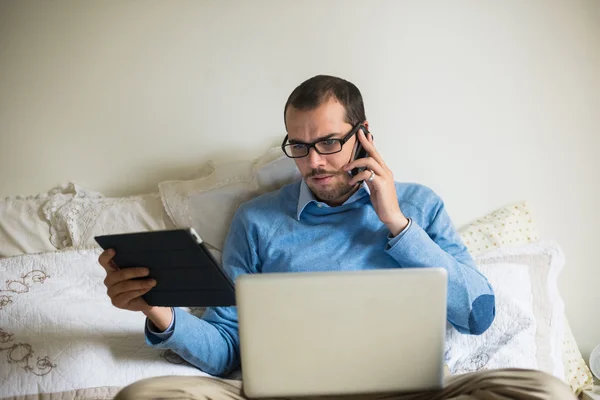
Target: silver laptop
(337,333)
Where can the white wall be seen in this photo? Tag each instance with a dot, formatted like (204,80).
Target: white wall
(486,102)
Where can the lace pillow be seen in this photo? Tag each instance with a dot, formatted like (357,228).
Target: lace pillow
(24,226)
(81,219)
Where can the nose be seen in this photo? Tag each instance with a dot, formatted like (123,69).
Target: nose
(315,160)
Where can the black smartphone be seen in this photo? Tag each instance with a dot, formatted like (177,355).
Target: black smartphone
(359,151)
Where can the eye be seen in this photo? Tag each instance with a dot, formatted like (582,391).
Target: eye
(329,142)
(298,146)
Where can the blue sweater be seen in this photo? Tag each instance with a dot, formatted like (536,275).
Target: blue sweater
(290,231)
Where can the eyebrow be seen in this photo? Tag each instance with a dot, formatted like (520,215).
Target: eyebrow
(330,136)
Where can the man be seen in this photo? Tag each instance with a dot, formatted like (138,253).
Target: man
(330,220)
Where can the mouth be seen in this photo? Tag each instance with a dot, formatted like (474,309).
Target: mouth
(322,179)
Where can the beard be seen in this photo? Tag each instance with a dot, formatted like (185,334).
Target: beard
(338,188)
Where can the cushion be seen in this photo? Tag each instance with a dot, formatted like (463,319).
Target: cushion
(76,216)
(515,319)
(514,224)
(577,373)
(24,227)
(507,226)
(543,261)
(79,219)
(208,203)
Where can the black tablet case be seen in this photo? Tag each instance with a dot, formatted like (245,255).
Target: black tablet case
(186,274)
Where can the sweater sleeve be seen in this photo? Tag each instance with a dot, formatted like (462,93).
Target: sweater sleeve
(433,242)
(212,343)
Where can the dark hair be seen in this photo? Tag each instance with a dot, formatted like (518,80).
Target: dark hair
(315,91)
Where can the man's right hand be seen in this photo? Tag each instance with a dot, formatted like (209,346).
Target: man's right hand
(125,292)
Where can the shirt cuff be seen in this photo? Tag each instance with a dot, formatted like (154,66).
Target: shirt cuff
(152,330)
(394,239)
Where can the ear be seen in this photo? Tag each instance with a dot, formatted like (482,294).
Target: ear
(366,124)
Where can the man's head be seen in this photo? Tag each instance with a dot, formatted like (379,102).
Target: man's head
(325,107)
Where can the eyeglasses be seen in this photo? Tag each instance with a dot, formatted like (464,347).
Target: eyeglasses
(323,147)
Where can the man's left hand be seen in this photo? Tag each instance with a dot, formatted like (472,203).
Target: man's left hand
(380,180)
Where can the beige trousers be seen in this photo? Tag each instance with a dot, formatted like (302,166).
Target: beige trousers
(503,384)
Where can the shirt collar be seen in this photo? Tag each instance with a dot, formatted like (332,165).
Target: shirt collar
(306,196)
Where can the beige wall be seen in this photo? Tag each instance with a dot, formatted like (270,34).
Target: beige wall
(486,102)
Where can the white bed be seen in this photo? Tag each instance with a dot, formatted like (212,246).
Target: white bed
(60,332)
(61,338)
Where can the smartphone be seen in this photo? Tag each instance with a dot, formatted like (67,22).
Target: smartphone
(359,151)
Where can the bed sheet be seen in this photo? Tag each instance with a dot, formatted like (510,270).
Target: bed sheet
(59,331)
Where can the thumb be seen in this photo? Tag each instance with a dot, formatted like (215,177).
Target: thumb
(107,262)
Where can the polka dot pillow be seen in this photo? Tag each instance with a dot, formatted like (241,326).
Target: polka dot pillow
(508,226)
(514,225)
(577,373)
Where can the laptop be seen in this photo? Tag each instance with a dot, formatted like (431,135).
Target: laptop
(342,333)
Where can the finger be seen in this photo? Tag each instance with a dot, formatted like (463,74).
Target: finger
(123,300)
(125,274)
(106,260)
(361,176)
(370,148)
(368,163)
(127,286)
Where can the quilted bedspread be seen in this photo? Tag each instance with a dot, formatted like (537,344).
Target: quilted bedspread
(60,333)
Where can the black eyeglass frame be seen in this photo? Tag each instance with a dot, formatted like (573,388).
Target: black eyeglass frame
(313,145)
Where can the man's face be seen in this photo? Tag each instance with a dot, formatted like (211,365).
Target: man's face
(323,173)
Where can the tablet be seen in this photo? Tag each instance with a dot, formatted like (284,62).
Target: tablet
(186,273)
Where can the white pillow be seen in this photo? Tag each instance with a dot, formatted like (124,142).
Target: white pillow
(512,225)
(58,217)
(77,215)
(81,219)
(524,279)
(510,340)
(208,204)
(544,261)
(24,226)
